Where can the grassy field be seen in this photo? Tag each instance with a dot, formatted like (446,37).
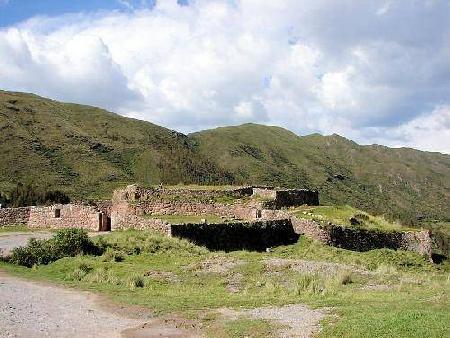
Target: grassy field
(380,293)
(14,228)
(176,219)
(342,215)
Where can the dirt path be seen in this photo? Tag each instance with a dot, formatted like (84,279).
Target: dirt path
(11,240)
(29,309)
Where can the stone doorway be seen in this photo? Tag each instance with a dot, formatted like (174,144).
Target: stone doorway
(104,222)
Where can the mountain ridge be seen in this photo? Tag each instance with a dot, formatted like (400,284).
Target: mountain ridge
(88,152)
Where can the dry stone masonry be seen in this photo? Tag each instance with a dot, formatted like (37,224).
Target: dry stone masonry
(14,216)
(253,218)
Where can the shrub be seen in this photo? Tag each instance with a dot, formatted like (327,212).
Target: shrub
(65,243)
(36,252)
(72,242)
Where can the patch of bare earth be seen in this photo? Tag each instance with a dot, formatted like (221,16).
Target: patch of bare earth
(219,265)
(295,320)
(29,309)
(311,267)
(222,266)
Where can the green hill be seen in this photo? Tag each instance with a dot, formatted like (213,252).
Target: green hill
(403,183)
(87,152)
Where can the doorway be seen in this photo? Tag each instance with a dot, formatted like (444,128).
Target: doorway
(104,222)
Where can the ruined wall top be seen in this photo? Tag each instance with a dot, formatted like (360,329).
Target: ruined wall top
(280,197)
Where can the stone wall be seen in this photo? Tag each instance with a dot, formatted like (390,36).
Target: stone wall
(136,193)
(14,216)
(266,193)
(285,198)
(257,235)
(358,239)
(70,216)
(127,215)
(295,197)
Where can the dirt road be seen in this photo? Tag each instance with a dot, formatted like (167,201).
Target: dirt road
(29,309)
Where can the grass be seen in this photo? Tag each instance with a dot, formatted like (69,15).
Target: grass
(177,219)
(244,327)
(342,215)
(14,228)
(170,275)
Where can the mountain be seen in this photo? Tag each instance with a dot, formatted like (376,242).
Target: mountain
(87,152)
(403,183)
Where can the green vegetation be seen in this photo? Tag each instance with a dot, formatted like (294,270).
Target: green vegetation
(244,327)
(87,152)
(402,184)
(65,243)
(177,219)
(14,228)
(347,216)
(28,194)
(376,293)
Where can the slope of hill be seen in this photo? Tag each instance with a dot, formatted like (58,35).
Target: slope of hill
(402,183)
(88,151)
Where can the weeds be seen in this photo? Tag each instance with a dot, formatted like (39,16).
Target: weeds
(135,281)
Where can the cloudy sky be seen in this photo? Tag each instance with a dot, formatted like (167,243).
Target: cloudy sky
(373,71)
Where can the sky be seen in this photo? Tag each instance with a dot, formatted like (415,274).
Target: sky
(374,71)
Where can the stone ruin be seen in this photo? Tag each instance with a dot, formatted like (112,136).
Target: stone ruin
(251,218)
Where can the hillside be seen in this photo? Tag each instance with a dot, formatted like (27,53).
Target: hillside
(87,151)
(402,183)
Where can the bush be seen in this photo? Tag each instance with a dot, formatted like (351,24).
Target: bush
(65,243)
(36,252)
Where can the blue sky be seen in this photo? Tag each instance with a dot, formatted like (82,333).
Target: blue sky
(13,11)
(374,71)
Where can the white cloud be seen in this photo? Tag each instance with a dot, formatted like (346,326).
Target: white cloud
(366,69)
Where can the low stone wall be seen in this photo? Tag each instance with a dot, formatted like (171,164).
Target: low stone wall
(358,239)
(125,215)
(311,229)
(267,193)
(257,235)
(14,216)
(418,241)
(141,223)
(295,197)
(137,193)
(285,198)
(68,216)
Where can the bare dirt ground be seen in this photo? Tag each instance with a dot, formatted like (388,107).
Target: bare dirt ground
(32,309)
(296,320)
(11,240)
(29,309)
